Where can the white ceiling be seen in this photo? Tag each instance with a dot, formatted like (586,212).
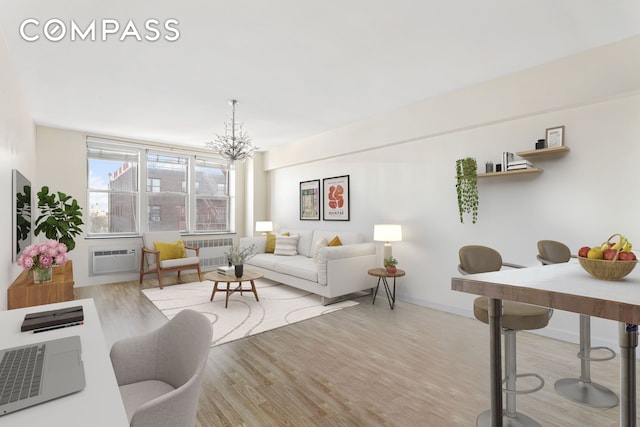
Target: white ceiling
(298,67)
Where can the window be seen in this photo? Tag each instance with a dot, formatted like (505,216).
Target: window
(184,192)
(113,190)
(153,185)
(211,195)
(171,198)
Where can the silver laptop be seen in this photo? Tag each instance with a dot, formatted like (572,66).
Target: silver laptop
(40,372)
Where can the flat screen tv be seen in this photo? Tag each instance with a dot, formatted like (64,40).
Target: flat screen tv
(21,213)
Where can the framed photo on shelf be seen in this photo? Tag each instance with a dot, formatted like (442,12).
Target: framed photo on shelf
(310,200)
(335,198)
(555,137)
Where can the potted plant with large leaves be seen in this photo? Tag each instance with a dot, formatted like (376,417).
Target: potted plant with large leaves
(467,187)
(60,217)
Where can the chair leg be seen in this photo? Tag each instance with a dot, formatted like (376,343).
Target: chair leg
(199,273)
(159,279)
(141,267)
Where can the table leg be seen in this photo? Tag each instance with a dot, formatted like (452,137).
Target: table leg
(495,354)
(628,343)
(391,297)
(226,301)
(376,291)
(255,292)
(215,288)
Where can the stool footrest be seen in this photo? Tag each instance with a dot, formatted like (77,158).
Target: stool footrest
(612,355)
(525,391)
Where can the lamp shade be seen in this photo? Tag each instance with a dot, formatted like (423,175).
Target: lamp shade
(387,232)
(264,226)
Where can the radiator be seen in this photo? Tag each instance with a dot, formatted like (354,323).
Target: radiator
(212,250)
(113,260)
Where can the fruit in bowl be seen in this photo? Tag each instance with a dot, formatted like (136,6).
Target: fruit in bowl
(610,260)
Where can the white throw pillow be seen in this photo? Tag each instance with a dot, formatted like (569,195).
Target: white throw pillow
(286,245)
(319,245)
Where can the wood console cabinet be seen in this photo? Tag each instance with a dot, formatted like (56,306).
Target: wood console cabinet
(24,293)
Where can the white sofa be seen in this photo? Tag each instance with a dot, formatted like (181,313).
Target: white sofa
(336,272)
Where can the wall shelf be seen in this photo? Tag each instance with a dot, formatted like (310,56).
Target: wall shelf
(510,173)
(544,152)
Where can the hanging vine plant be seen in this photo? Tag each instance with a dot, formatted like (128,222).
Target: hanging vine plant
(467,187)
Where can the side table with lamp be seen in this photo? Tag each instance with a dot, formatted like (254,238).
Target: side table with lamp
(386,233)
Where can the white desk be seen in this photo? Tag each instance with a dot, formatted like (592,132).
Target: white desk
(99,404)
(564,287)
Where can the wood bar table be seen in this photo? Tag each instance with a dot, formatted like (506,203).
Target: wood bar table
(563,287)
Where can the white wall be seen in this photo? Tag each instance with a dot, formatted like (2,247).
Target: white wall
(17,148)
(581,198)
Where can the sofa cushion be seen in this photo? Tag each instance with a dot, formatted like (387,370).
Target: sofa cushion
(319,245)
(286,245)
(346,237)
(298,266)
(270,245)
(335,241)
(178,262)
(304,241)
(171,250)
(266,261)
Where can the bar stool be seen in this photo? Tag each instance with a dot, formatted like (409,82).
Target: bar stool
(515,317)
(581,390)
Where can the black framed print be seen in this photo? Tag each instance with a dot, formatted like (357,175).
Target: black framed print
(310,200)
(335,196)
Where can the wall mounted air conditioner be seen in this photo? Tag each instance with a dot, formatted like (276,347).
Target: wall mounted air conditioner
(113,260)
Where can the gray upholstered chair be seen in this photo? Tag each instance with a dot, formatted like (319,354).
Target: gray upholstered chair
(581,390)
(152,262)
(515,317)
(160,373)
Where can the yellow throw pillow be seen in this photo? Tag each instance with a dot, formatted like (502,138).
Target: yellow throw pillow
(335,242)
(270,246)
(171,250)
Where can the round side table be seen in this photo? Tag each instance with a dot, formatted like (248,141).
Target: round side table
(382,275)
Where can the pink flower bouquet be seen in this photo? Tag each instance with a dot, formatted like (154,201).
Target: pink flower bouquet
(43,255)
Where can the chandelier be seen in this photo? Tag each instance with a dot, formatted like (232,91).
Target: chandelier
(235,144)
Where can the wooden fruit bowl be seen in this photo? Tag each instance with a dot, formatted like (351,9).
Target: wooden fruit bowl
(607,270)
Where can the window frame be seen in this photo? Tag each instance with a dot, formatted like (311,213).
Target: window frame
(143,214)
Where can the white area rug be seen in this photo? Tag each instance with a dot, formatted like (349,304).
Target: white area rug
(279,305)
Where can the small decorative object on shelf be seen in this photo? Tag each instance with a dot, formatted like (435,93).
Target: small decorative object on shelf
(555,137)
(467,187)
(390,265)
(41,257)
(542,143)
(488,167)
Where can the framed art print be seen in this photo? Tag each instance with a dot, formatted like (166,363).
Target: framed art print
(310,200)
(335,196)
(555,137)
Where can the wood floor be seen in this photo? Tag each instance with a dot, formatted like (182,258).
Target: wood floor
(362,366)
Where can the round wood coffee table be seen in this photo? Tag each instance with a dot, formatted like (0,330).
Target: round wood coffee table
(247,276)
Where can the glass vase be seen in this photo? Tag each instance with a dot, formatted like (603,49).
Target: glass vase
(42,275)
